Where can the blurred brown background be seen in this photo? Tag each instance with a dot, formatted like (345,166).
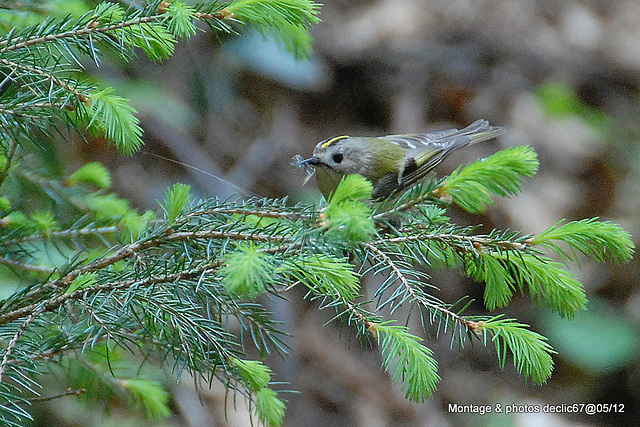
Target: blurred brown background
(562,75)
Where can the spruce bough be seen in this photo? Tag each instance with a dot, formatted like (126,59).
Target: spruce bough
(128,285)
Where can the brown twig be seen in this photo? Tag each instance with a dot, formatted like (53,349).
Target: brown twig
(65,234)
(477,242)
(69,392)
(22,266)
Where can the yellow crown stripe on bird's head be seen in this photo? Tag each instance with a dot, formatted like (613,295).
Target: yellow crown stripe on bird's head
(330,141)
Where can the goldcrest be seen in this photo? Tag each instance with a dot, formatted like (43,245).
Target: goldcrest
(392,163)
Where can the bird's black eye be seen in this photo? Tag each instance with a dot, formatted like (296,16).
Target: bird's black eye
(337,157)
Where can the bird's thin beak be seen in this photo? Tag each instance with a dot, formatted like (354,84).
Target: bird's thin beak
(312,161)
(305,164)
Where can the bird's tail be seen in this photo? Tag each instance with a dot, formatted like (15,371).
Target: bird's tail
(480,130)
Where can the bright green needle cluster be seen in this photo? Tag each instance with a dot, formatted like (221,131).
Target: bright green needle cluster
(471,186)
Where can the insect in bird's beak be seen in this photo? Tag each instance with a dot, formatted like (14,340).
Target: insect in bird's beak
(307,165)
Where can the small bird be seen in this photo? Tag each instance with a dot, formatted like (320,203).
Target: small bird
(392,163)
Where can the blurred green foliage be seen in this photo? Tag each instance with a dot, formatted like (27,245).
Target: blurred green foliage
(600,340)
(559,100)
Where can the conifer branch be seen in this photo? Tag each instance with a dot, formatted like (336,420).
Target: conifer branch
(168,284)
(28,267)
(55,302)
(11,346)
(414,197)
(11,112)
(40,72)
(93,26)
(134,248)
(65,234)
(409,288)
(267,213)
(69,392)
(15,111)
(464,242)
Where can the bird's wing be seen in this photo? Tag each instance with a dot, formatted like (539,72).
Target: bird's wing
(477,131)
(425,151)
(420,161)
